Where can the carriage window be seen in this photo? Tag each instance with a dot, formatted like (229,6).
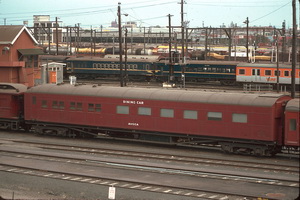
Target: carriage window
(239,118)
(91,107)
(34,100)
(167,112)
(286,73)
(190,114)
(44,104)
(54,104)
(292,125)
(214,116)
(61,105)
(75,106)
(268,73)
(200,69)
(277,72)
(241,71)
(123,109)
(144,111)
(258,72)
(253,71)
(79,106)
(98,108)
(72,105)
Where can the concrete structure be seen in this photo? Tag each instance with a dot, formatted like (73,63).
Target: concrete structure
(44,29)
(19,61)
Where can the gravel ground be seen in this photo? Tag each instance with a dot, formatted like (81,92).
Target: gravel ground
(20,186)
(15,186)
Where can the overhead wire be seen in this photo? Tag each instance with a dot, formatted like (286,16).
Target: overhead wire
(63,13)
(270,12)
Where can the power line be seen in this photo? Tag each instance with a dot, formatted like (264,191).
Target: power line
(87,12)
(240,4)
(270,12)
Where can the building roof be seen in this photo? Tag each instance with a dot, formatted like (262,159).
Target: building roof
(127,93)
(27,52)
(9,34)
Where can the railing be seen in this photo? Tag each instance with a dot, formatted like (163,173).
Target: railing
(258,87)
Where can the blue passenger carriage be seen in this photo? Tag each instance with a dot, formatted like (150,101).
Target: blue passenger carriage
(200,71)
(138,68)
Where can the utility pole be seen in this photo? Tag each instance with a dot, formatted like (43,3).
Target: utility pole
(120,45)
(182,46)
(49,39)
(171,70)
(126,76)
(56,35)
(67,41)
(95,36)
(247,38)
(101,33)
(91,40)
(182,32)
(294,57)
(144,40)
(277,61)
(283,42)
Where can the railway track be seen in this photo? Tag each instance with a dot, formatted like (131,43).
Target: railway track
(146,160)
(187,160)
(204,194)
(159,164)
(156,168)
(180,191)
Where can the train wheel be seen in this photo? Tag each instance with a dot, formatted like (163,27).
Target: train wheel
(258,152)
(227,148)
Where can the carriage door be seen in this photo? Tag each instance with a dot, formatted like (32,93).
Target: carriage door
(292,129)
(256,76)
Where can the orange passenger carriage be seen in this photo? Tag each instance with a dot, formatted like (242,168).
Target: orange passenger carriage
(266,73)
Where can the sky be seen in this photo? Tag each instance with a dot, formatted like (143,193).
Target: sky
(198,13)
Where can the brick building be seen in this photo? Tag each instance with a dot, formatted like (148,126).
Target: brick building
(19,55)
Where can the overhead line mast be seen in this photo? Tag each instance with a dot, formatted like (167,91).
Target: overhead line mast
(182,45)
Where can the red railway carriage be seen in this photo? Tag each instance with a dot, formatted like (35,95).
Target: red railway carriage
(11,105)
(236,121)
(292,120)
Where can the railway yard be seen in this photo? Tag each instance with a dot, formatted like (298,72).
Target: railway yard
(38,167)
(155,113)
